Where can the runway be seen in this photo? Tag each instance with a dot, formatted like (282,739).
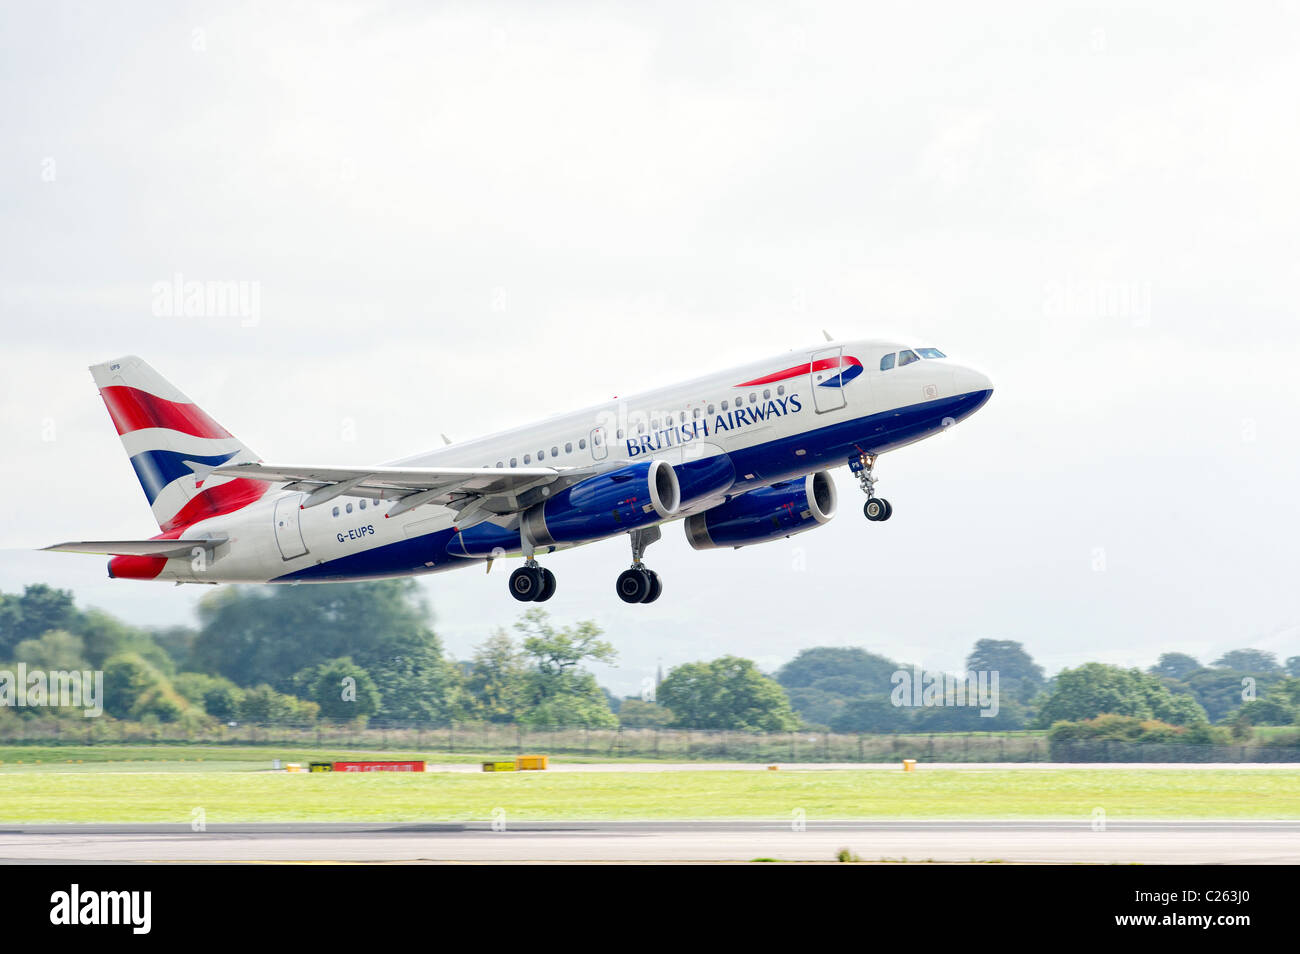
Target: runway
(1062,841)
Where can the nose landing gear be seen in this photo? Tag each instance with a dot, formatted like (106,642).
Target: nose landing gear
(876,508)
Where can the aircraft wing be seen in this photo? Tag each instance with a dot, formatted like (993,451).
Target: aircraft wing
(473,491)
(159,548)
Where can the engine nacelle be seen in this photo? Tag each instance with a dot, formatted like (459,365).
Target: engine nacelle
(768,513)
(606,504)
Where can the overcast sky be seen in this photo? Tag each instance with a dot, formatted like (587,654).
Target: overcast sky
(462,220)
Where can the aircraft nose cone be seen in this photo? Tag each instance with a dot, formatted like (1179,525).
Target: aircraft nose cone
(970,381)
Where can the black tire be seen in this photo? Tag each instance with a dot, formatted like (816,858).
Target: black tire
(655,588)
(875,508)
(526,583)
(548,586)
(633,585)
(889,510)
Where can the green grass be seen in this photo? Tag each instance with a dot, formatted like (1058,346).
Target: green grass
(101,795)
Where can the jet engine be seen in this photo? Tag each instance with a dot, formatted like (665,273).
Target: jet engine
(768,513)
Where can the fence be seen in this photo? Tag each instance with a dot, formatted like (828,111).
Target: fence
(487,739)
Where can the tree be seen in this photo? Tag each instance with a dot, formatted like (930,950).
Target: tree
(871,715)
(823,680)
(1292,667)
(344,691)
(218,696)
(1269,711)
(727,693)
(1248,660)
(40,609)
(134,688)
(270,634)
(57,650)
(497,680)
(558,691)
(1221,691)
(106,636)
(867,672)
(1018,674)
(1095,689)
(1176,666)
(262,704)
(638,713)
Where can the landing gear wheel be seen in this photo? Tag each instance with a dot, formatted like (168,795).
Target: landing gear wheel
(548,586)
(633,585)
(655,587)
(876,508)
(889,509)
(526,582)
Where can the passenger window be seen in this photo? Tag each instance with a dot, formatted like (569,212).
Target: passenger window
(568,447)
(528,458)
(555,452)
(696,413)
(780,389)
(336,511)
(724,405)
(907,357)
(498,463)
(740,400)
(582,444)
(767,394)
(887,362)
(363,505)
(710,408)
(931,353)
(752,397)
(348,508)
(514,461)
(541,454)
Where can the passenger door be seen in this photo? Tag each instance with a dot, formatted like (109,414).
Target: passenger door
(288,530)
(824,375)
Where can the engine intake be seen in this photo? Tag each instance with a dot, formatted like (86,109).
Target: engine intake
(768,513)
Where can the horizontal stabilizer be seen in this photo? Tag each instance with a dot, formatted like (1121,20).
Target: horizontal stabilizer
(156,548)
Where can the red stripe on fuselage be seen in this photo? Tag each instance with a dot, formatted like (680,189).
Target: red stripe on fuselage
(134,410)
(822,365)
(213,502)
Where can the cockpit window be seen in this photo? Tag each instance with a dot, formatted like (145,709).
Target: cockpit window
(887,362)
(931,353)
(906,357)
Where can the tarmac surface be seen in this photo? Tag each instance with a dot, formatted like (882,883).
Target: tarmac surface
(1062,841)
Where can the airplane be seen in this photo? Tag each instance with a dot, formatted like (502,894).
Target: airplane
(741,457)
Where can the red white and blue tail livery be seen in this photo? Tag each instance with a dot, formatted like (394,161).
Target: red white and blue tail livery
(740,457)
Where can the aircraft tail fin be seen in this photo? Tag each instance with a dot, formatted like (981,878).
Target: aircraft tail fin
(173,445)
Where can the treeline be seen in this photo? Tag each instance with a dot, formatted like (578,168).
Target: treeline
(848,689)
(298,654)
(366,651)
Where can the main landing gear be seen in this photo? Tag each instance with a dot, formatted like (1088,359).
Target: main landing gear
(532,583)
(637,584)
(876,508)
